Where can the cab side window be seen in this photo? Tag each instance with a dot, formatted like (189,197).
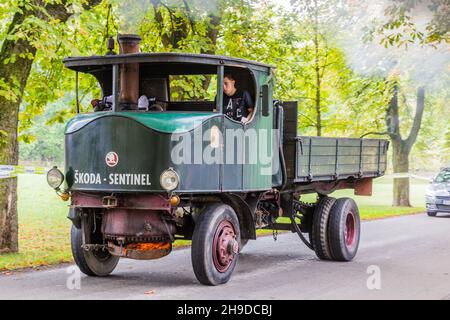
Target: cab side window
(238,95)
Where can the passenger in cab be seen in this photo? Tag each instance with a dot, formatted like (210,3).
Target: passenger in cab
(237,104)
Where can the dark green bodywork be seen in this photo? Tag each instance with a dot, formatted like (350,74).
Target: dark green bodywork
(165,122)
(144,141)
(142,149)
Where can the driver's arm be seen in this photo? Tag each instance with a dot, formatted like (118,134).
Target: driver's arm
(248,104)
(250,114)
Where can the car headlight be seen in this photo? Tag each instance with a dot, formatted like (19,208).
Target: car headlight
(55,178)
(430,199)
(431,193)
(169,180)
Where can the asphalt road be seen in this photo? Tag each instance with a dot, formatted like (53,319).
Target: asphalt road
(399,258)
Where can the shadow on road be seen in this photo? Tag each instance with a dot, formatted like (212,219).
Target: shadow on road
(167,276)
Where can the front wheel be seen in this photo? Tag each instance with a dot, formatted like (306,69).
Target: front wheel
(215,245)
(97,263)
(432,213)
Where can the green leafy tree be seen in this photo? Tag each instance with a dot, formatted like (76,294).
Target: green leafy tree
(413,59)
(402,29)
(42,143)
(183,26)
(32,28)
(302,42)
(447,147)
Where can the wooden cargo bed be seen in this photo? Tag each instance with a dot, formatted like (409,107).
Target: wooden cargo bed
(322,159)
(328,159)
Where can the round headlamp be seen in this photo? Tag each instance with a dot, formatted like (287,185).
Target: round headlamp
(55,178)
(430,192)
(169,180)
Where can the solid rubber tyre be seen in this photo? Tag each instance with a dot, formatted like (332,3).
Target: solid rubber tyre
(204,251)
(91,263)
(319,235)
(344,229)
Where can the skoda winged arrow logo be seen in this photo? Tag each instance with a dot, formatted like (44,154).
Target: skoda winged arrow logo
(112,159)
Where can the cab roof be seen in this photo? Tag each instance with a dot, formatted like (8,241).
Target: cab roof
(204,62)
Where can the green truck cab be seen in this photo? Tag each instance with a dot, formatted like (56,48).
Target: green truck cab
(141,176)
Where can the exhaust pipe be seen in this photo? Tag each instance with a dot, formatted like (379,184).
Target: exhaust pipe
(129,73)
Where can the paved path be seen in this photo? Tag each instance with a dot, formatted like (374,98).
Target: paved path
(412,254)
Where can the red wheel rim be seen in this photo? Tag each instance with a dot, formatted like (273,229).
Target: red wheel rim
(225,247)
(350,230)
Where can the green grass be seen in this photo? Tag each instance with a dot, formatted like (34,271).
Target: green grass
(44,228)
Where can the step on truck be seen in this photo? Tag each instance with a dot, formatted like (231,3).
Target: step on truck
(156,160)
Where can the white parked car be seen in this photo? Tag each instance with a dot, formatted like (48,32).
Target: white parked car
(438,193)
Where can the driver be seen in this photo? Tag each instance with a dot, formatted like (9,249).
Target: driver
(237,104)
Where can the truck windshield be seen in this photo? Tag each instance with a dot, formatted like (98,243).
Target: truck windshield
(164,87)
(192,92)
(193,87)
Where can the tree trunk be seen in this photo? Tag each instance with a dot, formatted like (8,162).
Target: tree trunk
(317,72)
(9,153)
(318,102)
(402,147)
(213,28)
(15,74)
(401,165)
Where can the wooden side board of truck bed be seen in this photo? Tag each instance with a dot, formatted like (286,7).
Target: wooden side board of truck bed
(314,163)
(328,159)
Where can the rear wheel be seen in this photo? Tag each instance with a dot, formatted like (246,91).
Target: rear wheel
(215,245)
(319,234)
(344,229)
(96,263)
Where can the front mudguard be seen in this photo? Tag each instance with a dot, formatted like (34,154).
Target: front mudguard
(74,215)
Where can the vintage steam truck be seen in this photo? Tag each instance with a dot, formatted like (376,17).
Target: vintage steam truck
(152,164)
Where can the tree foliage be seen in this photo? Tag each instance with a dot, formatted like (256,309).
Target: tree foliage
(403,28)
(301,43)
(30,30)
